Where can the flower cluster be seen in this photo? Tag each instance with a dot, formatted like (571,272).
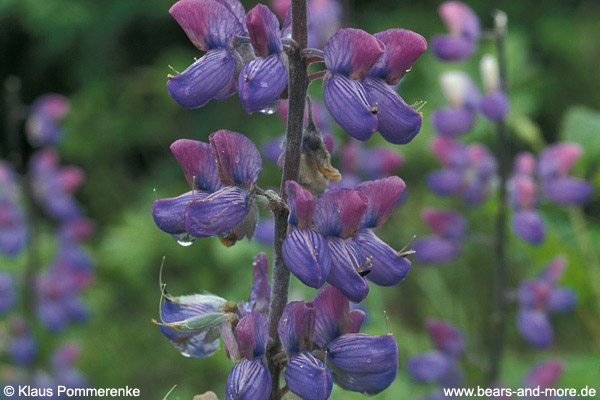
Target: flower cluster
(538,298)
(444,245)
(440,366)
(360,68)
(221,203)
(321,341)
(548,175)
(57,287)
(331,238)
(468,170)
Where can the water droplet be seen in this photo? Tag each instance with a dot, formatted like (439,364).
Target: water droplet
(270,110)
(264,84)
(184,239)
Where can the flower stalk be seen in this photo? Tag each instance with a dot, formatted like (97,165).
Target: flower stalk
(297,89)
(499,282)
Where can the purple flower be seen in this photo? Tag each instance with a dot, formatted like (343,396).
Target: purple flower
(14,234)
(538,298)
(305,375)
(463,96)
(468,170)
(369,162)
(554,165)
(357,91)
(7,292)
(445,244)
(464,28)
(494,105)
(305,250)
(250,379)
(210,25)
(544,375)
(358,362)
(439,366)
(63,368)
(263,79)
(53,186)
(527,222)
(22,346)
(222,176)
(192,323)
(42,126)
(342,249)
(58,302)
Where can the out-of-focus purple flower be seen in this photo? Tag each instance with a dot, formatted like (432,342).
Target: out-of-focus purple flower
(467,171)
(265,231)
(464,28)
(369,162)
(554,165)
(210,25)
(22,346)
(538,298)
(463,97)
(58,302)
(527,222)
(53,186)
(449,228)
(263,79)
(495,104)
(324,18)
(43,128)
(222,177)
(544,375)
(78,229)
(63,367)
(439,366)
(8,296)
(445,336)
(192,323)
(14,234)
(342,249)
(357,90)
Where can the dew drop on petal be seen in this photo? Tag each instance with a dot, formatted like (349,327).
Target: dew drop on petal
(184,240)
(270,110)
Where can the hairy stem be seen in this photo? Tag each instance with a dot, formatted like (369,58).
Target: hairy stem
(499,284)
(297,88)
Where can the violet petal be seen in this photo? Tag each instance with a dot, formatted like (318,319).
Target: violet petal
(349,105)
(217,213)
(398,122)
(203,80)
(307,255)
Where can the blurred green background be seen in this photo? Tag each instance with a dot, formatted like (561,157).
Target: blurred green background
(111,58)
